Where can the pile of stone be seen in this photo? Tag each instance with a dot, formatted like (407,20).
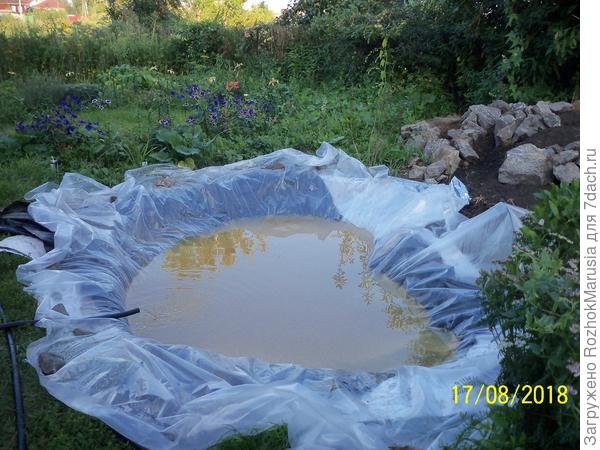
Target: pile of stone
(448,142)
(528,164)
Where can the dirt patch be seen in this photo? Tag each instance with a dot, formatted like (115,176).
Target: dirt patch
(481,178)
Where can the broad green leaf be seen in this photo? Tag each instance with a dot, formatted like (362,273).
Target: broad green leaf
(183,150)
(161,156)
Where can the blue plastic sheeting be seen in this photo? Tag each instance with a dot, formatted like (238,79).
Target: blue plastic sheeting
(174,396)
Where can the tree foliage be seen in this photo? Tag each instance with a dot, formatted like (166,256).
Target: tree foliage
(144,10)
(483,49)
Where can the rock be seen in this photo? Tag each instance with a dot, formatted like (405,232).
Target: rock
(548,117)
(575,105)
(528,127)
(566,172)
(60,308)
(565,157)
(452,160)
(501,105)
(560,107)
(458,134)
(430,181)
(519,114)
(414,161)
(519,106)
(472,131)
(417,134)
(81,332)
(526,164)
(50,362)
(417,173)
(556,148)
(465,149)
(435,169)
(484,116)
(504,129)
(445,123)
(433,149)
(572,146)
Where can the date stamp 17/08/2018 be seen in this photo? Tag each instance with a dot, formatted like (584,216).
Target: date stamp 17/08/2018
(501,395)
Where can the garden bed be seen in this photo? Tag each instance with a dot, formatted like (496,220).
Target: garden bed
(481,177)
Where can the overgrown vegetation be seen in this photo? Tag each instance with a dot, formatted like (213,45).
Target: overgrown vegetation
(532,304)
(207,82)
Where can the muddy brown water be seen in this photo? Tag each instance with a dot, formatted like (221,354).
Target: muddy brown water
(284,289)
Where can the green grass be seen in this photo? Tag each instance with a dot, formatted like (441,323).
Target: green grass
(272,438)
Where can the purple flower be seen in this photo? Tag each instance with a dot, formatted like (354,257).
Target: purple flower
(107,101)
(246,113)
(191,120)
(165,122)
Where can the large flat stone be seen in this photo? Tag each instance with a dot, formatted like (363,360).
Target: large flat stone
(526,164)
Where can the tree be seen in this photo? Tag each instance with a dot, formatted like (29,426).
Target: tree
(143,9)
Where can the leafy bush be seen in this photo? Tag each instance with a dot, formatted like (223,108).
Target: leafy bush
(12,102)
(41,91)
(128,77)
(532,305)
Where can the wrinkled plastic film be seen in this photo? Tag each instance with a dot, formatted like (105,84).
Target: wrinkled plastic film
(175,396)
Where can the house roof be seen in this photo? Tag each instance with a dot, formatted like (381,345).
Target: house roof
(23,3)
(49,4)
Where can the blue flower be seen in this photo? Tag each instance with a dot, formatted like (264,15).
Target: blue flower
(246,113)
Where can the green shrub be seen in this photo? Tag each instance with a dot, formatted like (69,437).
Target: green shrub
(13,102)
(41,91)
(532,305)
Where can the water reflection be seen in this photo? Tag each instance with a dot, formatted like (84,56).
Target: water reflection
(193,257)
(285,289)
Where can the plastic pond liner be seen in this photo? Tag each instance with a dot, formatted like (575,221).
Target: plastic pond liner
(165,395)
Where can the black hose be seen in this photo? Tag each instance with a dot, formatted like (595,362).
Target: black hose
(16,378)
(118,315)
(22,323)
